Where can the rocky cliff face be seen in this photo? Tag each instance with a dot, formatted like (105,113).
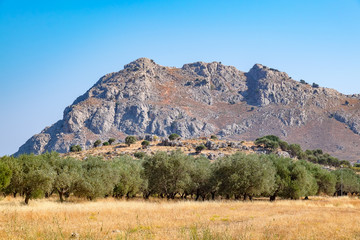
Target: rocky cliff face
(200,99)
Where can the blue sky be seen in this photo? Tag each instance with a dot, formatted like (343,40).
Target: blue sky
(53,51)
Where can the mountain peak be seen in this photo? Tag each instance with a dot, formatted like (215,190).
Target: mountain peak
(143,63)
(259,71)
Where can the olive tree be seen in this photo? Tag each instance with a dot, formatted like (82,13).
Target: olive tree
(38,176)
(98,179)
(5,175)
(325,180)
(245,175)
(199,182)
(15,165)
(129,177)
(68,172)
(130,140)
(166,174)
(347,181)
(303,183)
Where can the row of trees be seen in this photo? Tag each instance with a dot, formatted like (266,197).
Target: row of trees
(171,175)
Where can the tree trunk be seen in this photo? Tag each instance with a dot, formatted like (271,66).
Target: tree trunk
(67,194)
(27,198)
(61,194)
(272,198)
(146,195)
(14,194)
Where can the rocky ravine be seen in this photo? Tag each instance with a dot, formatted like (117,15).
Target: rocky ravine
(200,99)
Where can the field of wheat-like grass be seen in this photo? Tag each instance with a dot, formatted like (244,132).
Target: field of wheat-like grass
(317,218)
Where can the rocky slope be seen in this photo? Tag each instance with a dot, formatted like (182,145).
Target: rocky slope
(200,99)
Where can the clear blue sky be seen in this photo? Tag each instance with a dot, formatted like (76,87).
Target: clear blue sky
(53,51)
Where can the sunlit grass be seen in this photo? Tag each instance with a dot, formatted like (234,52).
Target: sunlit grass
(318,218)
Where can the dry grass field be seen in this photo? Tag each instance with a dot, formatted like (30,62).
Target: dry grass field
(318,218)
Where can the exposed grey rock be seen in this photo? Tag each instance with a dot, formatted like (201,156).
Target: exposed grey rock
(223,145)
(262,151)
(283,154)
(169,143)
(350,119)
(245,148)
(211,145)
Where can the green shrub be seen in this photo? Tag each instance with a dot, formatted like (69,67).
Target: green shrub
(97,143)
(111,141)
(270,141)
(106,143)
(214,137)
(130,140)
(283,145)
(295,150)
(145,143)
(173,136)
(139,155)
(199,148)
(75,148)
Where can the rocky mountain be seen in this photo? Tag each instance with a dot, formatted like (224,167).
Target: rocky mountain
(200,99)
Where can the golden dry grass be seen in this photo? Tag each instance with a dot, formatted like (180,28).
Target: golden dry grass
(318,218)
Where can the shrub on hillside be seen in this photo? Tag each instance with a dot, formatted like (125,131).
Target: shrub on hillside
(111,141)
(315,85)
(75,148)
(283,145)
(173,136)
(214,137)
(139,155)
(145,143)
(200,148)
(130,140)
(97,143)
(270,141)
